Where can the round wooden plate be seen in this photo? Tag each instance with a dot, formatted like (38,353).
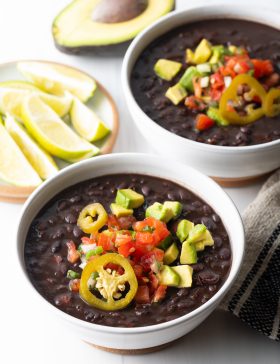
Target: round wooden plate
(102,103)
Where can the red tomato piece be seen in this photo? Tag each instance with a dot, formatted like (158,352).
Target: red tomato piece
(126,249)
(203,122)
(123,238)
(142,294)
(86,240)
(262,68)
(138,270)
(74,285)
(115,267)
(195,103)
(113,222)
(217,81)
(73,254)
(154,282)
(105,241)
(144,238)
(160,293)
(126,222)
(159,254)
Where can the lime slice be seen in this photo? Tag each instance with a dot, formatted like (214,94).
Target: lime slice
(56,79)
(86,122)
(14,167)
(40,160)
(11,98)
(52,133)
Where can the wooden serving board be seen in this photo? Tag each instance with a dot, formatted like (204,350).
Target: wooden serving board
(102,103)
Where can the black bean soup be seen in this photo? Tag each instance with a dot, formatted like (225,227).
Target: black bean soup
(46,252)
(149,90)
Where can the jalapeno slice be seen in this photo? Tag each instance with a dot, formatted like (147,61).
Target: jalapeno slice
(231,100)
(113,291)
(272,102)
(92,218)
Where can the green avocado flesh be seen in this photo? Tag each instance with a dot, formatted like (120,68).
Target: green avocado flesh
(94,23)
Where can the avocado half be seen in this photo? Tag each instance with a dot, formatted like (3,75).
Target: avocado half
(88,25)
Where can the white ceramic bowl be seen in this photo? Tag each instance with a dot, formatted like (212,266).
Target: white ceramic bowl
(228,163)
(155,335)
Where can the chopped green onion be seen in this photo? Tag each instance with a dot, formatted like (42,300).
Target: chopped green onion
(73,275)
(98,250)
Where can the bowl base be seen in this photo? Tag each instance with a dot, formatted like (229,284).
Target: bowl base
(240,182)
(132,351)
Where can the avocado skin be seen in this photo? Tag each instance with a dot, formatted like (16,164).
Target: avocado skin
(107,50)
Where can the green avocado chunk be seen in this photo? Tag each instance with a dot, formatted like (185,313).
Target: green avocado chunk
(217,53)
(120,211)
(215,114)
(187,79)
(176,93)
(196,233)
(166,242)
(171,254)
(159,212)
(202,52)
(175,206)
(166,69)
(129,199)
(168,276)
(188,253)
(183,229)
(185,273)
(88,25)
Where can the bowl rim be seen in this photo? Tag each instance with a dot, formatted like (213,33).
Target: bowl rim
(68,171)
(136,43)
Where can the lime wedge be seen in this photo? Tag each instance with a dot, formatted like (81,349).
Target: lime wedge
(52,133)
(40,160)
(86,122)
(56,79)
(12,97)
(14,167)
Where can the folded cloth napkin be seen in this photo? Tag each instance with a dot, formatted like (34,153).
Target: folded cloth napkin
(255,295)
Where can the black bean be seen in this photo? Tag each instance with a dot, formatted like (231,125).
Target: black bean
(216,218)
(77,232)
(70,218)
(63,299)
(208,277)
(56,246)
(225,253)
(146,190)
(62,205)
(209,223)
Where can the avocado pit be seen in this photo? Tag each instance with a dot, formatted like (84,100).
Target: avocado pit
(117,11)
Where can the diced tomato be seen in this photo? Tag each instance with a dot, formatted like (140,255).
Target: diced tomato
(73,254)
(195,103)
(217,81)
(262,68)
(126,249)
(126,222)
(106,242)
(86,240)
(215,94)
(154,282)
(227,71)
(123,238)
(74,285)
(138,270)
(113,222)
(160,293)
(144,238)
(203,122)
(159,254)
(142,294)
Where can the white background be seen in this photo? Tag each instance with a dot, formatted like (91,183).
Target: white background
(27,334)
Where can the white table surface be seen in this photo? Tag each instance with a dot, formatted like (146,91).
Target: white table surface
(28,336)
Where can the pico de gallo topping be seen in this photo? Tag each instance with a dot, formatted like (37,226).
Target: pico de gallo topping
(223,85)
(121,259)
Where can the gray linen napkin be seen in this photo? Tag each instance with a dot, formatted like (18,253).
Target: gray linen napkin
(255,295)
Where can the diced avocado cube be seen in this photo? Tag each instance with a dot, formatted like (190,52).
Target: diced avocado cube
(189,56)
(183,229)
(207,239)
(185,273)
(120,211)
(171,254)
(232,49)
(159,212)
(215,114)
(166,69)
(176,94)
(129,199)
(166,242)
(196,233)
(217,53)
(188,253)
(187,79)
(168,276)
(199,246)
(175,206)
(202,52)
